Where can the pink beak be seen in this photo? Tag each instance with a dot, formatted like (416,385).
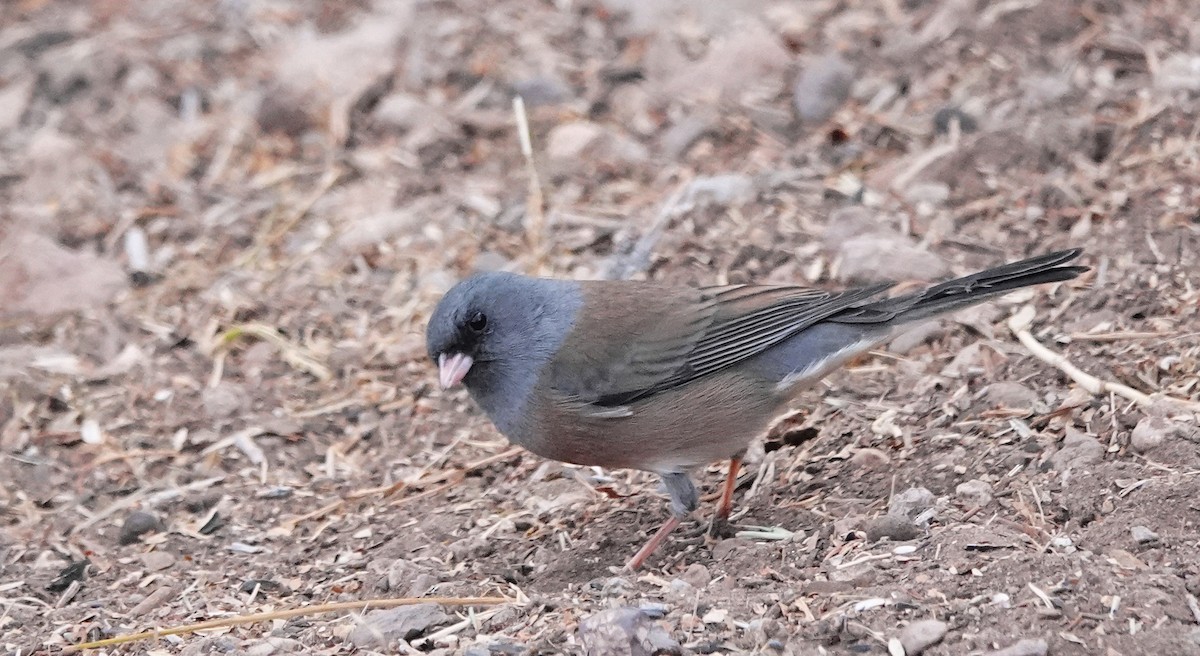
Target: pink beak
(452,369)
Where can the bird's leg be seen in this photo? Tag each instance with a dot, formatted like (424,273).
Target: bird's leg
(725,506)
(684,499)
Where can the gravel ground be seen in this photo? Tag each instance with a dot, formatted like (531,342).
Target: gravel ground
(223,225)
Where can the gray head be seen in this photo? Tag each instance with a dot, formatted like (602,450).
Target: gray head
(494,331)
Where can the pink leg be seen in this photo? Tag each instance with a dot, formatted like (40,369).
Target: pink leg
(726,506)
(659,537)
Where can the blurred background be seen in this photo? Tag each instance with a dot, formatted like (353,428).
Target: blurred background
(223,224)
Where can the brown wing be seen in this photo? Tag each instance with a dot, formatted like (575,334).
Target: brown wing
(644,338)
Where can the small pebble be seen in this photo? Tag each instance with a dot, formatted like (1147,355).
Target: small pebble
(1143,535)
(975,493)
(948,115)
(1010,394)
(1078,450)
(1063,543)
(763,629)
(911,502)
(1026,647)
(380,628)
(263,587)
(915,336)
(697,576)
(1048,613)
(275,645)
(625,631)
(724,548)
(720,190)
(1150,433)
(505,648)
(156,561)
(822,87)
(654,610)
(137,524)
(681,587)
(869,458)
(921,635)
(895,527)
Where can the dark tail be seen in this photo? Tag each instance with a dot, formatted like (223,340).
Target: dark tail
(968,290)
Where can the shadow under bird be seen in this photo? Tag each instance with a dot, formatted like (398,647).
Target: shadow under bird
(649,376)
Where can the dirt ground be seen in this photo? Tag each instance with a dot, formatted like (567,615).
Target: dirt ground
(223,225)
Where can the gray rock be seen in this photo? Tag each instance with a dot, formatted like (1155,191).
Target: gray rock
(44,278)
(728,189)
(765,629)
(654,609)
(887,256)
(916,335)
(571,143)
(569,140)
(225,400)
(974,492)
(921,635)
(680,136)
(697,576)
(1143,535)
(625,632)
(156,561)
(402,111)
(1150,433)
(498,648)
(870,458)
(947,116)
(965,362)
(1078,450)
(275,645)
(896,527)
(137,524)
(933,193)
(822,87)
(849,222)
(911,502)
(536,91)
(1026,647)
(1011,395)
(211,645)
(381,628)
(1179,71)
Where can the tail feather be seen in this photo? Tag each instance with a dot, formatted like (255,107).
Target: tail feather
(968,290)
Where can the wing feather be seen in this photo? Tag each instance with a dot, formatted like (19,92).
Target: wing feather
(644,338)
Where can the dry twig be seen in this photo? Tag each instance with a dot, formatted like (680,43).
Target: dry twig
(1020,323)
(253,618)
(535,205)
(295,355)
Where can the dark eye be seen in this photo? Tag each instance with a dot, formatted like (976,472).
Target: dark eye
(477,322)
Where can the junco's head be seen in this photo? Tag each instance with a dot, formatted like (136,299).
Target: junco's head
(468,325)
(493,318)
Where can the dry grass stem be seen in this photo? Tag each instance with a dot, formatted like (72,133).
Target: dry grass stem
(1021,321)
(253,618)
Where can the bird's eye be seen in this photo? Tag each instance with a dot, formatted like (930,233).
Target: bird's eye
(477,322)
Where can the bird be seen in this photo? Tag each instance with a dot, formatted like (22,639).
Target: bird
(664,378)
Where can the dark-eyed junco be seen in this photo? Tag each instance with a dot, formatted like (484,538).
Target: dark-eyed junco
(665,379)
